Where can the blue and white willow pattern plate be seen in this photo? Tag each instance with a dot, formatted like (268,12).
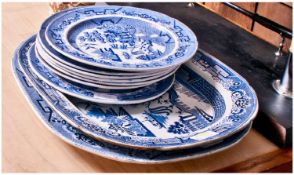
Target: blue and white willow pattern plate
(95,94)
(91,71)
(100,83)
(209,102)
(58,126)
(122,38)
(107,84)
(83,69)
(98,77)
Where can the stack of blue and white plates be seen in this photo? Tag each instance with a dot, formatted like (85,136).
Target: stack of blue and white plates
(126,83)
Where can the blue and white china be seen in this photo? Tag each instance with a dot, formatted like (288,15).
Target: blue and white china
(209,102)
(72,135)
(107,84)
(98,82)
(88,70)
(98,77)
(95,94)
(92,83)
(106,75)
(34,58)
(121,38)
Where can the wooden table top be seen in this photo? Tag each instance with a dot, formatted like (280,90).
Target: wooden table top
(28,146)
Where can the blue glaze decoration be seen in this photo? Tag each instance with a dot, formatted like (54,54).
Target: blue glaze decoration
(87,69)
(57,125)
(128,38)
(123,125)
(138,95)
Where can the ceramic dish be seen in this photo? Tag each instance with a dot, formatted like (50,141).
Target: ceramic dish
(209,102)
(107,84)
(37,64)
(139,95)
(121,38)
(84,69)
(76,79)
(58,126)
(99,74)
(100,83)
(98,77)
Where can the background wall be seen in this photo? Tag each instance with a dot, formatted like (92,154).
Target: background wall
(276,11)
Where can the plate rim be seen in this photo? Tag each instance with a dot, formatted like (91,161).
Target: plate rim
(87,71)
(99,100)
(111,77)
(187,57)
(99,83)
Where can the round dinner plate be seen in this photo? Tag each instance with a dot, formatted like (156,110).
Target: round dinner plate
(62,62)
(84,69)
(83,81)
(107,84)
(121,38)
(72,135)
(96,78)
(95,94)
(202,108)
